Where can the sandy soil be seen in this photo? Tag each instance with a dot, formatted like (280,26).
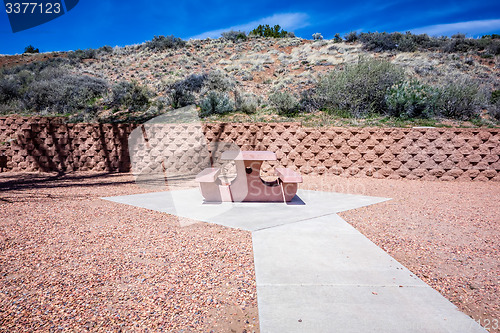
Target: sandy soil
(71,261)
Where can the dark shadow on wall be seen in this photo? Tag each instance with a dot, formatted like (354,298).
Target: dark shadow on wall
(124,164)
(32,140)
(116,154)
(52,147)
(217,138)
(104,144)
(61,167)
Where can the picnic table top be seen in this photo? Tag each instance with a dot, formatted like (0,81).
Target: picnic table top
(244,155)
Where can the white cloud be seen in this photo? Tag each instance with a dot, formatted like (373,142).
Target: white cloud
(469,28)
(290,22)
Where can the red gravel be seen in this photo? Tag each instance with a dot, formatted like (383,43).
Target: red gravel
(447,233)
(71,261)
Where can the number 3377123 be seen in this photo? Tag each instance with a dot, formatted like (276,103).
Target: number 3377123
(32,8)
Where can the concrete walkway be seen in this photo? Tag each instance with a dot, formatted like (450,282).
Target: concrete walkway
(315,272)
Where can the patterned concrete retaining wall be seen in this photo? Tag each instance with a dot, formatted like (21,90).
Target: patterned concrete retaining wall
(425,153)
(47,144)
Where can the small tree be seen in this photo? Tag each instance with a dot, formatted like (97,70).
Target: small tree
(267,31)
(359,88)
(337,38)
(458,36)
(31,49)
(285,103)
(216,103)
(317,36)
(351,37)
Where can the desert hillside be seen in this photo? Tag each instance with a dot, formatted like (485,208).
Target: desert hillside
(258,79)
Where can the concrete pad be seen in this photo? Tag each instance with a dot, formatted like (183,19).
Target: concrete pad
(314,271)
(324,250)
(258,215)
(322,275)
(325,308)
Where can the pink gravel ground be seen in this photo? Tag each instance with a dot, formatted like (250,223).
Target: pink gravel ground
(71,261)
(447,233)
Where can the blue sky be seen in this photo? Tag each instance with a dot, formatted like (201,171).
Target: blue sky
(94,23)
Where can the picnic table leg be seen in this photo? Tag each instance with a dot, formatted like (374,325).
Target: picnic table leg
(239,185)
(289,190)
(210,192)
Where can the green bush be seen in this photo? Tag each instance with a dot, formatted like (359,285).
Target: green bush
(493,36)
(458,45)
(247,103)
(129,95)
(47,87)
(383,41)
(495,96)
(377,42)
(351,37)
(218,80)
(494,111)
(234,35)
(494,47)
(160,43)
(80,55)
(216,102)
(181,93)
(460,98)
(10,89)
(284,103)
(267,31)
(105,49)
(309,100)
(359,88)
(408,42)
(317,36)
(494,107)
(35,67)
(62,93)
(411,99)
(31,49)
(185,92)
(180,98)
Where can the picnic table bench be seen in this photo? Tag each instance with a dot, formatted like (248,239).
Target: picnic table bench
(248,185)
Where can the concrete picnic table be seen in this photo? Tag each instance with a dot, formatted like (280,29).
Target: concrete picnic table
(248,185)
